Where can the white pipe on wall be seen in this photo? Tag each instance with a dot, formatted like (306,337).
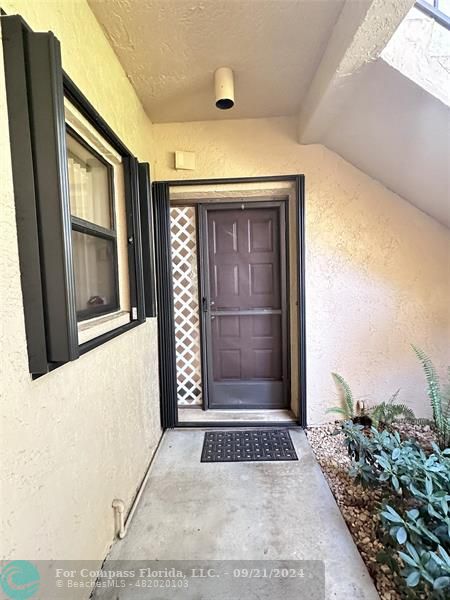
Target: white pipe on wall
(119,509)
(119,505)
(224,88)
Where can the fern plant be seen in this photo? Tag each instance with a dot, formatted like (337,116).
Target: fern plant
(439,398)
(386,413)
(347,408)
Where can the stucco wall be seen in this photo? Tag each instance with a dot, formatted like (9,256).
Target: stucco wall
(377,279)
(420,49)
(84,434)
(377,270)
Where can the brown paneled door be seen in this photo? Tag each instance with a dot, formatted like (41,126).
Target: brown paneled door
(244,304)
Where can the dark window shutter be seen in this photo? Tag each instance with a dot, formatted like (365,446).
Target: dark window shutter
(48,135)
(148,244)
(37,132)
(134,238)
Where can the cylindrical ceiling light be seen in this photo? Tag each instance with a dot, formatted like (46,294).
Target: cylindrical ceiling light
(224,88)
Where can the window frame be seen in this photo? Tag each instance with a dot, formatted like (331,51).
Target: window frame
(36,86)
(132,204)
(90,228)
(433,11)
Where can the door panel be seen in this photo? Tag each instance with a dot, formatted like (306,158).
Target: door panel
(245,317)
(247,347)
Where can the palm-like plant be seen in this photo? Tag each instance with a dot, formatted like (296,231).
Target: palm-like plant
(347,408)
(439,398)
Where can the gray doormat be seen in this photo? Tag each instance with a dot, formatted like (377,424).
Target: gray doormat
(254,445)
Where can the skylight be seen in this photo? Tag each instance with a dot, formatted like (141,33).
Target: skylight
(420,48)
(438,9)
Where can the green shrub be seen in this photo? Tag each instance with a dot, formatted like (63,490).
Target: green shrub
(386,413)
(417,515)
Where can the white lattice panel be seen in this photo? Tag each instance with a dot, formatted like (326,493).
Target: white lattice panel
(186,304)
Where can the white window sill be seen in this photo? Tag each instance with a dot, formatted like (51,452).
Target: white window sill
(88,330)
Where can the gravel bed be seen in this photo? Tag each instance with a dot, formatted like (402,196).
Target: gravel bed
(359,505)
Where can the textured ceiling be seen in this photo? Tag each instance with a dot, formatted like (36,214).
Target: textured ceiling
(171,48)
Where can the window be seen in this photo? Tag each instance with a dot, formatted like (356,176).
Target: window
(94,239)
(83,209)
(438,9)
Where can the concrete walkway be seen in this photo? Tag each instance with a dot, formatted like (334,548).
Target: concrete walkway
(242,511)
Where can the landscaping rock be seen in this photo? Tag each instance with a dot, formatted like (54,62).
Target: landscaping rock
(359,506)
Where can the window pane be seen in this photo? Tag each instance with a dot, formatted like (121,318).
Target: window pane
(444,6)
(93,259)
(88,185)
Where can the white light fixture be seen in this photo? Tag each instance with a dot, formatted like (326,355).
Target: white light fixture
(224,88)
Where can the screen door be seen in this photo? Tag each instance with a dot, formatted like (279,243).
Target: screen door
(244,305)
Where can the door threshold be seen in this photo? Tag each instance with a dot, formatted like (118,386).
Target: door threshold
(191,416)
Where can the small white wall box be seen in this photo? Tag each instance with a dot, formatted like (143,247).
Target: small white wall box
(185,160)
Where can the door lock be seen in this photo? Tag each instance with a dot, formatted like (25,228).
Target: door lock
(205,304)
